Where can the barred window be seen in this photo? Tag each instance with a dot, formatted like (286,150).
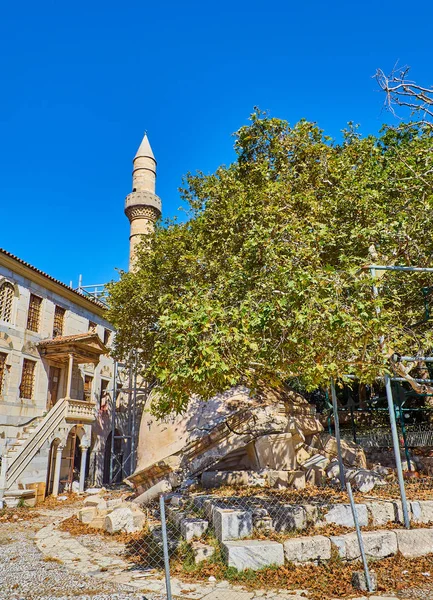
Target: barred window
(6,299)
(59,317)
(27,379)
(92,327)
(3,357)
(34,313)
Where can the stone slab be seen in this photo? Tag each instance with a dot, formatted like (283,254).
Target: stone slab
(422,511)
(276,451)
(308,549)
(288,517)
(341,514)
(253,554)
(202,552)
(380,513)
(359,581)
(232,524)
(377,544)
(414,542)
(193,528)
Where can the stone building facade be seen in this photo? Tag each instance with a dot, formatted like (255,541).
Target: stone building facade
(56,378)
(68,414)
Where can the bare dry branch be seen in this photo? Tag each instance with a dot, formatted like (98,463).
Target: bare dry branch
(401,91)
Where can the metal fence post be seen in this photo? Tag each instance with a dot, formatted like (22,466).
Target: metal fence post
(397,451)
(165,547)
(360,541)
(337,433)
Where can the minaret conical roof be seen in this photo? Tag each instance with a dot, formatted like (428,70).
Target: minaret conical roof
(145,149)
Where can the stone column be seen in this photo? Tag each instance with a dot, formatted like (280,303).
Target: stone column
(69,380)
(84,450)
(58,464)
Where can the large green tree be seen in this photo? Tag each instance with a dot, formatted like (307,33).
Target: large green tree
(266,281)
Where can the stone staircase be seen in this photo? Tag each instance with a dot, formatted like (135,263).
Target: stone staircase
(33,437)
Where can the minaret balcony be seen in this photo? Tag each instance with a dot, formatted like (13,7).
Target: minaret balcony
(143,198)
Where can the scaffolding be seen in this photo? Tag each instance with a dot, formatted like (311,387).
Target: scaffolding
(124,416)
(97,291)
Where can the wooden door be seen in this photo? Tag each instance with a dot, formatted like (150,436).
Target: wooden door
(53,386)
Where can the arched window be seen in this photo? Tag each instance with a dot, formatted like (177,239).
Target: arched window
(6,298)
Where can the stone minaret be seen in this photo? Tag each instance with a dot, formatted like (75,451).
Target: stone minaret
(142,206)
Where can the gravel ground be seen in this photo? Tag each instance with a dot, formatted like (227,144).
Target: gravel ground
(25,575)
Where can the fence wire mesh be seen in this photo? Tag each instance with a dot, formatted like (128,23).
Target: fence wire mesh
(278,532)
(260,540)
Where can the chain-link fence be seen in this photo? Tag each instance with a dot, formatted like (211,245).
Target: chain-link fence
(276,532)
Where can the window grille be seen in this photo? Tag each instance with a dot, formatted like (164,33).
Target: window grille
(27,379)
(6,299)
(34,314)
(92,327)
(3,357)
(59,317)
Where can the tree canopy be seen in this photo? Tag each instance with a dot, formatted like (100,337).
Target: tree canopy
(266,281)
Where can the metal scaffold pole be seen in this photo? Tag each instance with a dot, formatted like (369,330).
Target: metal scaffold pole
(396,445)
(113,421)
(337,433)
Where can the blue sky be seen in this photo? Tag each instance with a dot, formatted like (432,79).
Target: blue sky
(81,82)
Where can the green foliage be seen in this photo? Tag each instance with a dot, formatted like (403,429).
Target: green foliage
(265,282)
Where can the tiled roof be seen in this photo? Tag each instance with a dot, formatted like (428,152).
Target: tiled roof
(63,285)
(78,337)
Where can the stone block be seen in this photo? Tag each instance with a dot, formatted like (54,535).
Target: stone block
(351,453)
(398,511)
(232,524)
(359,582)
(175,515)
(422,511)
(265,524)
(85,515)
(198,501)
(113,503)
(276,451)
(295,479)
(97,523)
(92,501)
(309,549)
(318,460)
(177,500)
(341,514)
(209,507)
(312,514)
(380,513)
(124,519)
(215,479)
(338,542)
(363,479)
(288,517)
(414,542)
(202,552)
(253,554)
(308,425)
(377,544)
(315,476)
(193,528)
(333,469)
